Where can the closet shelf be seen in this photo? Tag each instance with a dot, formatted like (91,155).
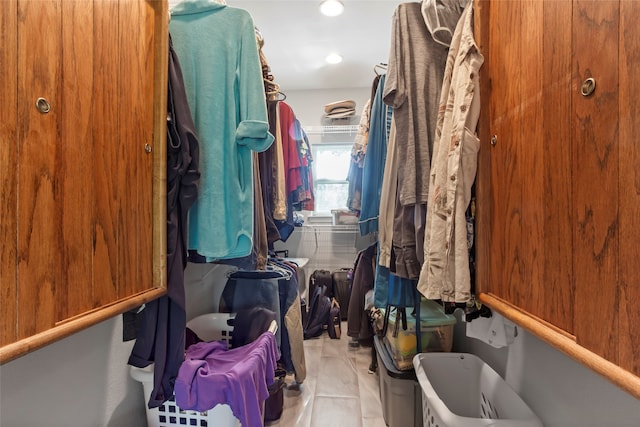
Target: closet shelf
(331,130)
(329,228)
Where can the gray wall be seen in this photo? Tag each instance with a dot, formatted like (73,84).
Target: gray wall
(82,381)
(562,392)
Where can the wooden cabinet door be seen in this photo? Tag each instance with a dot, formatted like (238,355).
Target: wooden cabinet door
(524,253)
(558,192)
(8,175)
(82,177)
(629,194)
(596,183)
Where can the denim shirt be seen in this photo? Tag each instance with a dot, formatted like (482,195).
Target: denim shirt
(374,162)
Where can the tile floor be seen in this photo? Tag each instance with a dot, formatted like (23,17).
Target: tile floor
(338,390)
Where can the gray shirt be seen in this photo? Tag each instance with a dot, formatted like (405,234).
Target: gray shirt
(414,79)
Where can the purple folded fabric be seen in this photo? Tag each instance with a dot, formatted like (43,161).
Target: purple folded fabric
(211,375)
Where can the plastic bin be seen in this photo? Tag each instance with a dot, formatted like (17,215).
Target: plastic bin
(344,217)
(436,329)
(209,327)
(461,390)
(400,393)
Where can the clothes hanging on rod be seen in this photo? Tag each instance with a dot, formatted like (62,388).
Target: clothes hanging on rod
(285,168)
(359,149)
(402,214)
(445,273)
(292,348)
(294,186)
(260,240)
(280,195)
(276,289)
(262,221)
(388,200)
(160,335)
(386,223)
(266,161)
(217,47)
(271,88)
(412,88)
(415,96)
(380,125)
(354,176)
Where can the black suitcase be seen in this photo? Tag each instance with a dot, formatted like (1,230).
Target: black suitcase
(342,289)
(319,278)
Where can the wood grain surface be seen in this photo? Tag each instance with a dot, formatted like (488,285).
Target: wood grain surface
(40,237)
(8,172)
(555,296)
(595,177)
(83,212)
(629,194)
(559,218)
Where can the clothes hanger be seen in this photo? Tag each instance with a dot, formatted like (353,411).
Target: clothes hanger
(381,66)
(272,88)
(276,96)
(259,37)
(272,266)
(269,81)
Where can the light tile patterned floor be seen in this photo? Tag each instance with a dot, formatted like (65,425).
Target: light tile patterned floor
(338,390)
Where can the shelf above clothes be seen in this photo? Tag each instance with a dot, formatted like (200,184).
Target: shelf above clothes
(332,130)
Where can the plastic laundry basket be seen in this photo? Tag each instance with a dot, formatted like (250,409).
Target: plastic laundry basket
(209,327)
(461,390)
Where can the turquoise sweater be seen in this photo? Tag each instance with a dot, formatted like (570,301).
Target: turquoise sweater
(217,49)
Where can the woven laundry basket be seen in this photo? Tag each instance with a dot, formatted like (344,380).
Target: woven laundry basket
(209,327)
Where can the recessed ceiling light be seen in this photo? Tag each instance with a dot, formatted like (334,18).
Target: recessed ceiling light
(331,7)
(333,58)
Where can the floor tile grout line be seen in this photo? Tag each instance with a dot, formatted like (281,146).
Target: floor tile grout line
(337,395)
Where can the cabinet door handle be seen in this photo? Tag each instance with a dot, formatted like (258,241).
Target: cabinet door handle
(43,105)
(588,86)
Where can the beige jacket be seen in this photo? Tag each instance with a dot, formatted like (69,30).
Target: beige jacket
(445,273)
(280,185)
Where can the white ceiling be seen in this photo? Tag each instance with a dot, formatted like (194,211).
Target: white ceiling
(298,38)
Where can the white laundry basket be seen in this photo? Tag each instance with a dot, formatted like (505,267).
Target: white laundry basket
(461,390)
(209,327)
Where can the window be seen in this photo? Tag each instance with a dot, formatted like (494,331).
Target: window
(330,169)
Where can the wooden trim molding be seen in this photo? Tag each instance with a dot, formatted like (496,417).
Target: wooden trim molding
(565,343)
(12,351)
(161,55)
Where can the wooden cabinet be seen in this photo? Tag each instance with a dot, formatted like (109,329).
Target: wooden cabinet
(82,127)
(559,190)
